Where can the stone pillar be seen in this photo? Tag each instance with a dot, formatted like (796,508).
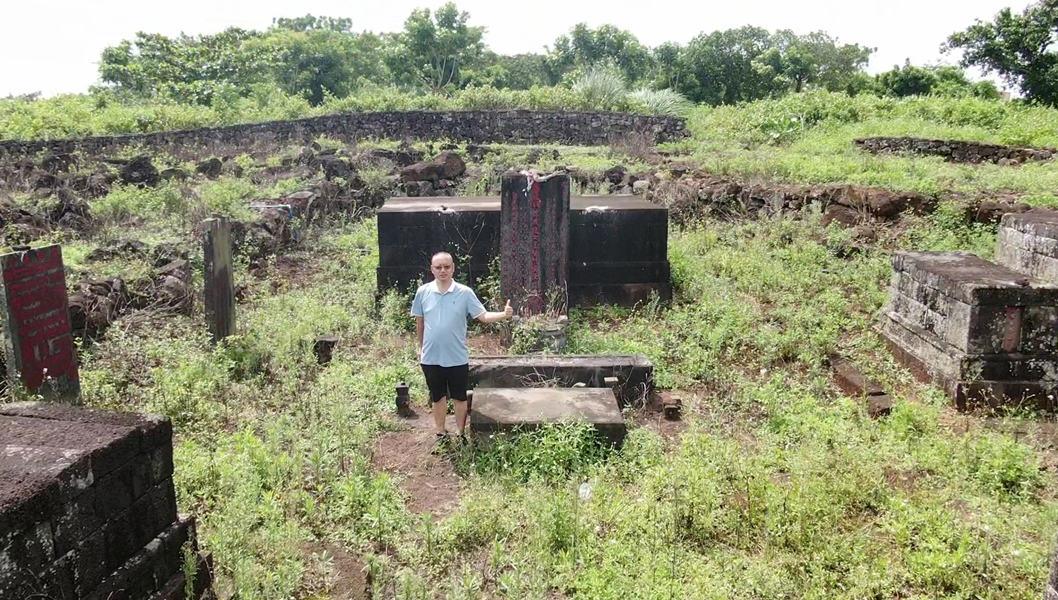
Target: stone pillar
(534,241)
(219,278)
(38,345)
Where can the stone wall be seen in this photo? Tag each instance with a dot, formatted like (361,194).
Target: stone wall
(507,126)
(88,508)
(955,150)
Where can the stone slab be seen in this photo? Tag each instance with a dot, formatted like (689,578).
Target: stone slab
(37,337)
(507,409)
(973,280)
(634,372)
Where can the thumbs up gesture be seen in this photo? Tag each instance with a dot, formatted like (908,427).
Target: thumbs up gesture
(508,312)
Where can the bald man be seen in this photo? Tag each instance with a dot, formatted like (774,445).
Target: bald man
(441,309)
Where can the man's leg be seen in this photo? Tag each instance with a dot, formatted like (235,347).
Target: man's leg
(457,388)
(461,415)
(435,382)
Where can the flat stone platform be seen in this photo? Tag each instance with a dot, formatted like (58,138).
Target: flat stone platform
(505,409)
(635,373)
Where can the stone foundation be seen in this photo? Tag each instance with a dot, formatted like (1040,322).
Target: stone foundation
(88,508)
(982,331)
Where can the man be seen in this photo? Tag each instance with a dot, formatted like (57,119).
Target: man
(441,308)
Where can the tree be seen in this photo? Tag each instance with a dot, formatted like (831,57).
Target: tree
(749,63)
(434,51)
(585,47)
(719,66)
(317,62)
(1018,47)
(945,80)
(187,68)
(311,23)
(908,80)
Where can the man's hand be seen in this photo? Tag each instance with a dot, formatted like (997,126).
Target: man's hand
(508,312)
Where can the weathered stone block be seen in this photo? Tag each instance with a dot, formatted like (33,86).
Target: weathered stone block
(507,409)
(81,492)
(982,331)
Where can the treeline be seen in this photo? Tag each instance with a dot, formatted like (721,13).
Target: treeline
(323,58)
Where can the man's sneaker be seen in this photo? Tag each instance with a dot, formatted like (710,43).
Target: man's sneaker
(441,443)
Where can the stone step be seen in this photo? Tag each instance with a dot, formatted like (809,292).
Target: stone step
(506,409)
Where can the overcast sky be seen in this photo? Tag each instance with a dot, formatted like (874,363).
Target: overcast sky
(52,46)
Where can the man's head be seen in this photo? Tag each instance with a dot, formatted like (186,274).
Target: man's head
(442,266)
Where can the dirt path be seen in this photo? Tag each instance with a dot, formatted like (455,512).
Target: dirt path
(429,481)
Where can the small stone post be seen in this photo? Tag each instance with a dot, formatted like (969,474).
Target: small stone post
(1051,593)
(219,278)
(38,345)
(534,241)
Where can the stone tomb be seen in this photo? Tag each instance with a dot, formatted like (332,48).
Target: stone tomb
(38,345)
(1028,243)
(88,508)
(634,373)
(506,409)
(982,331)
(618,245)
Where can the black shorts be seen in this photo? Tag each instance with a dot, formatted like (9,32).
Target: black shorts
(446,382)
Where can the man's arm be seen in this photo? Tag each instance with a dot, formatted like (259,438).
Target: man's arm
(492,317)
(420,327)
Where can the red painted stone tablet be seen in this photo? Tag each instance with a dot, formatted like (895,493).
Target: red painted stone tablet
(37,341)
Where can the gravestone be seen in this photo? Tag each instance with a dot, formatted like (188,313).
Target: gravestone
(982,331)
(38,345)
(219,278)
(534,241)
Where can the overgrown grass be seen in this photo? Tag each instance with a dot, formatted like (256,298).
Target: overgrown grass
(779,487)
(808,138)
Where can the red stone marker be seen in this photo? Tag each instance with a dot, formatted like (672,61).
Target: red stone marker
(534,241)
(38,345)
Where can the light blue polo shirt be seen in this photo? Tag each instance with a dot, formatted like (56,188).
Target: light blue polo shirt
(444,340)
